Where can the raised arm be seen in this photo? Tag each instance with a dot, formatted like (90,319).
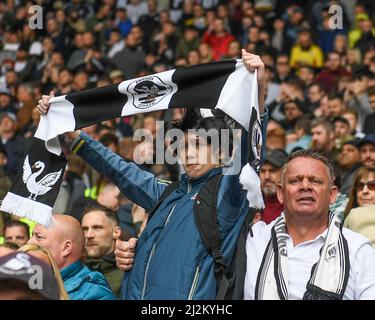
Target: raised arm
(231,187)
(138,185)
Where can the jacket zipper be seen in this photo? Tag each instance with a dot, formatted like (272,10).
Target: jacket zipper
(189,187)
(194,284)
(151,254)
(146,271)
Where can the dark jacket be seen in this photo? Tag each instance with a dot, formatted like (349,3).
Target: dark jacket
(107,266)
(130,61)
(347,178)
(15,148)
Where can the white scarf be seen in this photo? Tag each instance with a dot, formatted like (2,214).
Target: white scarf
(329,276)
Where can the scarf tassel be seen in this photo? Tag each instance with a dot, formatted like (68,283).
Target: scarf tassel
(315,293)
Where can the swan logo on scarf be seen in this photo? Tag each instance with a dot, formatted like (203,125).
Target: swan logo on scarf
(148,91)
(42,186)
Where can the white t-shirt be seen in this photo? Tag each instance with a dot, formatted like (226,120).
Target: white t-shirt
(301,258)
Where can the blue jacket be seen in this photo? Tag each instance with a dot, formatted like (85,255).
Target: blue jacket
(171,261)
(83,284)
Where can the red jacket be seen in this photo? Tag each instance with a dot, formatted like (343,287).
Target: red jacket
(219,45)
(329,79)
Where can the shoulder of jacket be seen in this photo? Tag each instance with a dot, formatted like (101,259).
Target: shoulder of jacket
(93,286)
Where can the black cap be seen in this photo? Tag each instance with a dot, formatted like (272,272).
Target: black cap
(24,267)
(368,138)
(276,157)
(354,142)
(341,119)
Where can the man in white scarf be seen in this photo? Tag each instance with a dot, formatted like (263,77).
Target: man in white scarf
(305,253)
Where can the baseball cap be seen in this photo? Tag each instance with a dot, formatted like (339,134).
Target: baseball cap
(9,115)
(368,138)
(276,157)
(349,140)
(6,91)
(23,267)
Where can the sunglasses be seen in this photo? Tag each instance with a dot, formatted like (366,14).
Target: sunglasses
(370,185)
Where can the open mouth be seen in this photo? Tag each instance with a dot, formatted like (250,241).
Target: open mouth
(306,200)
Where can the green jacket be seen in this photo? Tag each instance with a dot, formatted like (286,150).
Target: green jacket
(107,266)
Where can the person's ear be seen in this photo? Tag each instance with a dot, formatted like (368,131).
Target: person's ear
(116,233)
(333,194)
(67,248)
(279,191)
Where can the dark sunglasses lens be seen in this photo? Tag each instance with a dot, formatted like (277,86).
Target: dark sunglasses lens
(370,185)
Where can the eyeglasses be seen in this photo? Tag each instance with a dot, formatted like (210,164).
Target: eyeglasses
(370,185)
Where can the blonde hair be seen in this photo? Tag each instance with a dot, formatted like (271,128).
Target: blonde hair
(55,269)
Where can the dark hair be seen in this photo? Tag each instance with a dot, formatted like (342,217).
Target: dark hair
(342,120)
(66,69)
(24,290)
(282,55)
(316,84)
(193,120)
(17,223)
(108,212)
(311,154)
(371,91)
(10,245)
(109,138)
(336,96)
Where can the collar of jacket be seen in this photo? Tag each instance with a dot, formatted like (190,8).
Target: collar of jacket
(185,180)
(71,270)
(105,263)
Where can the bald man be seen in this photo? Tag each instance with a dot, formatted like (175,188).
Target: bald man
(66,241)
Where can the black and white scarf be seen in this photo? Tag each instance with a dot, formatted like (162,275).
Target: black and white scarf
(329,276)
(225,85)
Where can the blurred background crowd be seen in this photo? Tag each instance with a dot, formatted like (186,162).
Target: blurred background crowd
(320,66)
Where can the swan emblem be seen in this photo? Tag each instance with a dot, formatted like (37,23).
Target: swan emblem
(18,263)
(42,186)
